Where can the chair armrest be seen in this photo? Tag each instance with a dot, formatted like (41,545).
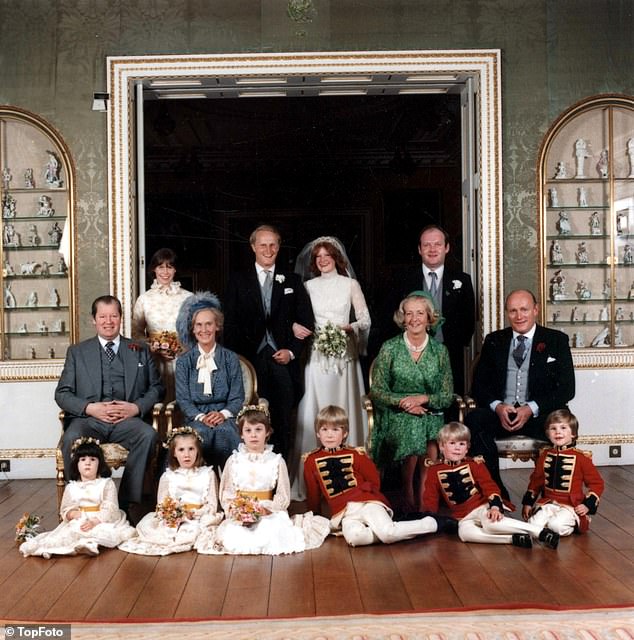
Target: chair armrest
(368,407)
(461,406)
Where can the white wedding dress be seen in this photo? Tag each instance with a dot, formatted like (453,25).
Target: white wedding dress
(332,382)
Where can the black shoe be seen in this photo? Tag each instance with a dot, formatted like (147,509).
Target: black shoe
(522,540)
(444,524)
(549,538)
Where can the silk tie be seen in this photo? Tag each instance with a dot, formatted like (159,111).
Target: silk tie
(110,354)
(433,289)
(267,289)
(519,352)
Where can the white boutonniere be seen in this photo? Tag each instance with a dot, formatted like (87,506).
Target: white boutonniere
(280,278)
(457,284)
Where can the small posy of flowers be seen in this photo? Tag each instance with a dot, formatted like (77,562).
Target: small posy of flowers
(331,341)
(28,526)
(172,513)
(246,510)
(280,278)
(540,347)
(166,342)
(457,284)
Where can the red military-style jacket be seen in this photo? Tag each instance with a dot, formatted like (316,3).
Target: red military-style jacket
(560,476)
(341,476)
(462,486)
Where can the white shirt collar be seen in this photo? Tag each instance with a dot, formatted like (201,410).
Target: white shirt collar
(438,271)
(528,335)
(116,341)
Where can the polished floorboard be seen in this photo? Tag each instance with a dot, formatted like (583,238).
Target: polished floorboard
(433,572)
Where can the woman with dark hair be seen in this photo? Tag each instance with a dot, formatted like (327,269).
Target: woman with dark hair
(342,323)
(209,388)
(411,386)
(154,316)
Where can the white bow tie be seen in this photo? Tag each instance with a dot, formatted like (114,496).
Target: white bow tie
(206,365)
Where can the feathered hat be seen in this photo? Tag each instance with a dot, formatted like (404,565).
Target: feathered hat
(192,305)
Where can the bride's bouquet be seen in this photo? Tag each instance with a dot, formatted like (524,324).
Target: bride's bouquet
(331,341)
(165,342)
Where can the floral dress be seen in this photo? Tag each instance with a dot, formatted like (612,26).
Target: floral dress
(261,475)
(398,434)
(156,311)
(196,490)
(96,499)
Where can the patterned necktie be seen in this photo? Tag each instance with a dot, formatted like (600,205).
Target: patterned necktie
(520,351)
(433,289)
(110,354)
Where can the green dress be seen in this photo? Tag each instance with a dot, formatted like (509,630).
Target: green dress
(398,434)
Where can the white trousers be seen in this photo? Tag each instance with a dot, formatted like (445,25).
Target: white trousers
(368,522)
(558,517)
(476,527)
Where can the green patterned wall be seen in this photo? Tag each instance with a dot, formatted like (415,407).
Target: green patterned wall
(554,53)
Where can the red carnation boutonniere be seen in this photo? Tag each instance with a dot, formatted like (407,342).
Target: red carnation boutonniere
(540,347)
(134,346)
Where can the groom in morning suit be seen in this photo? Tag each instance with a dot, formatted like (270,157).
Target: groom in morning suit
(262,305)
(109,383)
(524,372)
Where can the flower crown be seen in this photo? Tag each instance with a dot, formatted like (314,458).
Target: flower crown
(182,431)
(83,440)
(262,406)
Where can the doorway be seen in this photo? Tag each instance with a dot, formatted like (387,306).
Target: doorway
(473,76)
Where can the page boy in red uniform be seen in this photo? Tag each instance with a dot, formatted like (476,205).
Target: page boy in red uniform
(555,497)
(466,487)
(349,482)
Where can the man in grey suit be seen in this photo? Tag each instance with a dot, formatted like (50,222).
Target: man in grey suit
(109,383)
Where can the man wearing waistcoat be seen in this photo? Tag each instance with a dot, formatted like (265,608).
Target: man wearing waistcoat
(262,306)
(524,372)
(108,385)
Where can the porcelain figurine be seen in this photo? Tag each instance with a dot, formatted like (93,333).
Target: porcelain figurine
(556,256)
(563,224)
(595,224)
(581,153)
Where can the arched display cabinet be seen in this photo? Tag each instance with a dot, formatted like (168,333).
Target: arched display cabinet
(586,200)
(37,319)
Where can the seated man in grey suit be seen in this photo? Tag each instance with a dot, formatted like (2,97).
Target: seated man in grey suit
(109,383)
(524,372)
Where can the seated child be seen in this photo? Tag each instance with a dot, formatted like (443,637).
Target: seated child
(255,493)
(466,487)
(89,511)
(187,500)
(349,482)
(555,497)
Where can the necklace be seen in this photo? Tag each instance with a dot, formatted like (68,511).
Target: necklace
(412,348)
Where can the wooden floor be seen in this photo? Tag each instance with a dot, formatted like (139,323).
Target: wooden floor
(427,573)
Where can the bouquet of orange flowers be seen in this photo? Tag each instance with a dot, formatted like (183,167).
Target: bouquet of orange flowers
(166,342)
(27,527)
(246,510)
(172,512)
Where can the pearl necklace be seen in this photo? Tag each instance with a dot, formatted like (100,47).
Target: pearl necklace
(412,348)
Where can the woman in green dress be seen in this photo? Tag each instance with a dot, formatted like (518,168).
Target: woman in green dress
(411,387)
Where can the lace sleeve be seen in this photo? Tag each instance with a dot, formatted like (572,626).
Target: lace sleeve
(68,504)
(163,489)
(282,497)
(227,489)
(210,514)
(109,507)
(361,325)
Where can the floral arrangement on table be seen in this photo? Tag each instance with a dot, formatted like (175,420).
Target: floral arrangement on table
(172,513)
(246,510)
(166,342)
(28,526)
(331,341)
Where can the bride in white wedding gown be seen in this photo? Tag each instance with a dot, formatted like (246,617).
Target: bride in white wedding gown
(331,380)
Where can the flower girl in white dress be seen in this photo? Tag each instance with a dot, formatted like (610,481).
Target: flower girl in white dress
(89,511)
(186,504)
(255,493)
